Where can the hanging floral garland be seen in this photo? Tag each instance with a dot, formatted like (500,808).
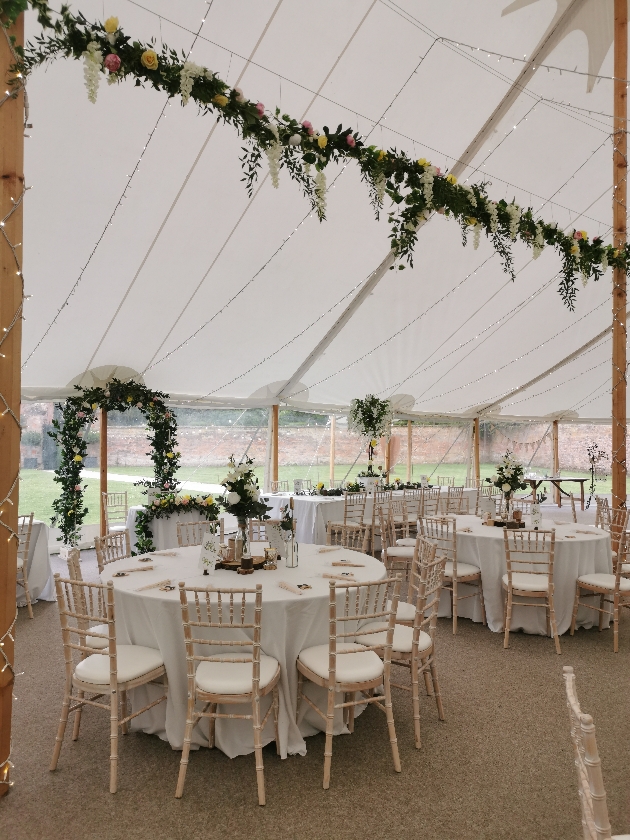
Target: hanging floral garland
(78,413)
(415,188)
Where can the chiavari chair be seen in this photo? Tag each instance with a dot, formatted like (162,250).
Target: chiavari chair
(116,509)
(395,557)
(191,533)
(353,538)
(113,546)
(430,501)
(279,486)
(353,512)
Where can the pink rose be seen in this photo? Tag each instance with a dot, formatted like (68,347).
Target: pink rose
(138,405)
(77,488)
(112,62)
(351,141)
(260,109)
(80,413)
(184,501)
(438,171)
(308,126)
(167,484)
(577,234)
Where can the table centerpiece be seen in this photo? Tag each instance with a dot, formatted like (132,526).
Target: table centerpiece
(509,477)
(242,500)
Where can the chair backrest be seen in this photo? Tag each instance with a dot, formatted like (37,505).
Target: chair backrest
(441,530)
(302,484)
(279,486)
(455,500)
(354,508)
(444,480)
(217,617)
(81,605)
(412,493)
(257,532)
(116,508)
(573,511)
(191,533)
(524,505)
(413,505)
(337,484)
(25,528)
(113,546)
(530,551)
(352,537)
(592,795)
(398,516)
(430,501)
(602,512)
(353,605)
(425,586)
(615,522)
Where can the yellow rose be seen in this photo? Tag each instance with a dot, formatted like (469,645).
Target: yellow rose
(575,249)
(69,512)
(209,500)
(111,24)
(424,162)
(77,458)
(382,155)
(149,59)
(322,141)
(471,220)
(169,454)
(615,253)
(221,100)
(374,442)
(584,234)
(451,179)
(130,398)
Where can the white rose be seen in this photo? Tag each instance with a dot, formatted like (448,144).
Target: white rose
(494,479)
(233,498)
(506,488)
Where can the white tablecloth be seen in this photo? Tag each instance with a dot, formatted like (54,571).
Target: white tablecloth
(313,512)
(289,623)
(164,530)
(40,579)
(575,554)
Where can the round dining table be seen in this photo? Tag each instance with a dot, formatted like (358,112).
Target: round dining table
(290,622)
(579,550)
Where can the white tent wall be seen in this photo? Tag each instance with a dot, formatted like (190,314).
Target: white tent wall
(217,299)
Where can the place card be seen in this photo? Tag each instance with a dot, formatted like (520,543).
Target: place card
(209,552)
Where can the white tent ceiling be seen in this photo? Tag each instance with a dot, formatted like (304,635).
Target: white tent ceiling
(218,299)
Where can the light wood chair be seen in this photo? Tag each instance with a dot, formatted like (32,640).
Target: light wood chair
(379,498)
(444,480)
(430,501)
(353,512)
(602,512)
(302,484)
(356,539)
(488,491)
(101,639)
(522,504)
(413,645)
(243,674)
(613,590)
(455,503)
(115,546)
(279,486)
(397,558)
(105,670)
(24,531)
(116,509)
(529,556)
(573,510)
(257,532)
(442,530)
(191,533)
(592,795)
(350,668)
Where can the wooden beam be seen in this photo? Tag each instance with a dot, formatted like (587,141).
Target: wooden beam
(12,177)
(333,429)
(476,463)
(409,448)
(620,192)
(555,466)
(274,442)
(103,468)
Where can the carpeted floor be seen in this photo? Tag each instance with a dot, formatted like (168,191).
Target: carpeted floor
(500,766)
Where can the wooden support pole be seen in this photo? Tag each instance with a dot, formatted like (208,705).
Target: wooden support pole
(409,448)
(620,191)
(11,292)
(333,429)
(555,466)
(476,464)
(274,442)
(103,468)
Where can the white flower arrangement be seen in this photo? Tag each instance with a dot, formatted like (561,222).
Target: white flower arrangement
(509,475)
(189,72)
(92,67)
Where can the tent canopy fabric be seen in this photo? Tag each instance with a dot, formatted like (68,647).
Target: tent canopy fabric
(143,251)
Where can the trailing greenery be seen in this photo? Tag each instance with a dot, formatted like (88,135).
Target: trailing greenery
(415,188)
(78,413)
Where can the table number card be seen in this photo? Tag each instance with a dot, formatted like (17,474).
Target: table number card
(424,481)
(275,539)
(536,516)
(486,505)
(209,552)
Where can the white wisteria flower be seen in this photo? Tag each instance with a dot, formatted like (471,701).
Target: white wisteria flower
(476,235)
(380,184)
(233,498)
(491,207)
(471,194)
(92,66)
(187,75)
(274,153)
(320,192)
(605,261)
(514,212)
(426,179)
(539,242)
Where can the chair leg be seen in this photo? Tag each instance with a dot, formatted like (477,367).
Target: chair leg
(300,689)
(576,605)
(616,623)
(276,707)
(390,722)
(77,718)
(602,598)
(483,604)
(61,731)
(330,719)
(123,709)
(436,689)
(427,680)
(113,735)
(352,696)
(260,770)
(415,699)
(554,626)
(183,764)
(212,723)
(508,619)
(27,592)
(454,601)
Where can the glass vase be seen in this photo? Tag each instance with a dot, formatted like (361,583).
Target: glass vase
(241,546)
(291,553)
(508,507)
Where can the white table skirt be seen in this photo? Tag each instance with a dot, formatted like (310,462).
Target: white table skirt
(40,579)
(313,512)
(290,623)
(583,554)
(164,529)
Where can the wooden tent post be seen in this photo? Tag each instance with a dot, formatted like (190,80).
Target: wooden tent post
(409,448)
(274,442)
(620,172)
(12,163)
(333,429)
(476,463)
(555,466)
(103,468)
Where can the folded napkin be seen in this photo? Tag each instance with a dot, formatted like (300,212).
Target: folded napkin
(155,585)
(289,587)
(325,549)
(346,563)
(591,533)
(349,577)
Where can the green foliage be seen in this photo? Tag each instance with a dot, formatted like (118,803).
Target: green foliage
(415,189)
(370,417)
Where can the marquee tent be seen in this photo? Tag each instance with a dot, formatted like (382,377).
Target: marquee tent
(144,254)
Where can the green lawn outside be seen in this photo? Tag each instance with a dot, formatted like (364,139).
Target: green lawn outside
(38,490)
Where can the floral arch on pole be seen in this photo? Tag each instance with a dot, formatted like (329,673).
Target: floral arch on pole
(78,413)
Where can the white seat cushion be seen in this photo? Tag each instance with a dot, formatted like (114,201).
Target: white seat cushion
(625,568)
(234,677)
(403,637)
(605,581)
(401,551)
(132,661)
(527,582)
(463,569)
(405,611)
(348,524)
(407,541)
(351,667)
(20,563)
(96,641)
